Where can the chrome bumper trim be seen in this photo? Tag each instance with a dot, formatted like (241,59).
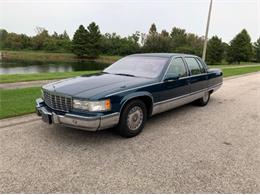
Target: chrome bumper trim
(79,122)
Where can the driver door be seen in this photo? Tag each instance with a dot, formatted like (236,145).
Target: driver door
(176,80)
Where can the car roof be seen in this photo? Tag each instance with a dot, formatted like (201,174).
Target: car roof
(163,55)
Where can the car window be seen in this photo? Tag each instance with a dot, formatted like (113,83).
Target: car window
(193,65)
(139,66)
(202,67)
(176,69)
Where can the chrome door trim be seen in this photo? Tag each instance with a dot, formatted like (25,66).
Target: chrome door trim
(169,104)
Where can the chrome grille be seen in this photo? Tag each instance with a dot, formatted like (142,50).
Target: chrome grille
(57,102)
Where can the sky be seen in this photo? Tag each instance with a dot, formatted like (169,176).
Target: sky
(125,17)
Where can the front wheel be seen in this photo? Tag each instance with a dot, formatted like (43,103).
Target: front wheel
(132,119)
(204,100)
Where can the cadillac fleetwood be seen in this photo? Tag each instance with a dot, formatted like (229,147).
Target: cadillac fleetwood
(128,92)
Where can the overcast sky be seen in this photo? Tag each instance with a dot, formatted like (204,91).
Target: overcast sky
(127,16)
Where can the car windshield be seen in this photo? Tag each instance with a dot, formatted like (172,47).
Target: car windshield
(138,66)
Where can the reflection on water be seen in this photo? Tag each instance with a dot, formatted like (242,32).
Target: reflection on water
(23,67)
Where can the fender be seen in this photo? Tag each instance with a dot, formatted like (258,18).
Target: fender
(130,96)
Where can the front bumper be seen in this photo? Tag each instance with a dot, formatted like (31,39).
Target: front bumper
(90,123)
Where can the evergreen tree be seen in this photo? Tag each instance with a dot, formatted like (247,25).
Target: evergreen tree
(257,50)
(153,30)
(152,40)
(93,48)
(65,35)
(215,50)
(240,48)
(179,38)
(164,33)
(79,41)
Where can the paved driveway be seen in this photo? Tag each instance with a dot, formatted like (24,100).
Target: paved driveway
(212,149)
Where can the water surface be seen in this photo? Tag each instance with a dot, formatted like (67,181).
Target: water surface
(25,67)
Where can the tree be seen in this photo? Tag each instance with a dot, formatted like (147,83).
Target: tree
(157,42)
(41,39)
(153,30)
(215,50)
(93,40)
(225,47)
(113,44)
(152,40)
(179,38)
(240,48)
(193,45)
(257,50)
(3,36)
(164,33)
(79,41)
(164,42)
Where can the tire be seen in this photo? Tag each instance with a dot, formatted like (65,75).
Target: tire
(132,119)
(204,100)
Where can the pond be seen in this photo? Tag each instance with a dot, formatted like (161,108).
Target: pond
(25,67)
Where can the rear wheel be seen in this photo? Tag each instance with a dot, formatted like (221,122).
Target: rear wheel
(204,100)
(132,118)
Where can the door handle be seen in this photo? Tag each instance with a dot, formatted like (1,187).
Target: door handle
(170,80)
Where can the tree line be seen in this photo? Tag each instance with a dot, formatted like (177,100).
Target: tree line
(90,42)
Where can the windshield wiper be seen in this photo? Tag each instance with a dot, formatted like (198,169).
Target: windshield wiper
(124,74)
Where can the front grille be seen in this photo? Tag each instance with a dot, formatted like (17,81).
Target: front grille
(57,102)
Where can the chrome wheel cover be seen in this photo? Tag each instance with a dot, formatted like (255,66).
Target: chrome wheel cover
(205,96)
(135,118)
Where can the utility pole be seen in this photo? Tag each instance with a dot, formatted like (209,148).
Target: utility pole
(206,34)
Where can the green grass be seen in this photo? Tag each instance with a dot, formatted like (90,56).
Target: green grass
(238,71)
(52,57)
(15,102)
(11,78)
(234,65)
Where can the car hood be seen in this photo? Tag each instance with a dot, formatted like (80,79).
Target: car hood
(93,85)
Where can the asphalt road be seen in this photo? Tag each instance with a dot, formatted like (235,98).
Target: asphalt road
(212,149)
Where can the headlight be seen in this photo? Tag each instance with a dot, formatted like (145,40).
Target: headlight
(92,106)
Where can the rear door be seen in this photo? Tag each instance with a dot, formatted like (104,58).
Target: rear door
(198,74)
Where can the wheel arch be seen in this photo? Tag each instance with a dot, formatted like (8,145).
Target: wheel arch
(146,97)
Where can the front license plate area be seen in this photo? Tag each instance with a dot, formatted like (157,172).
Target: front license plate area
(46,118)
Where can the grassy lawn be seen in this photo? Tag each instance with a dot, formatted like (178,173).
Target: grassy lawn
(15,102)
(238,71)
(234,65)
(52,57)
(11,78)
